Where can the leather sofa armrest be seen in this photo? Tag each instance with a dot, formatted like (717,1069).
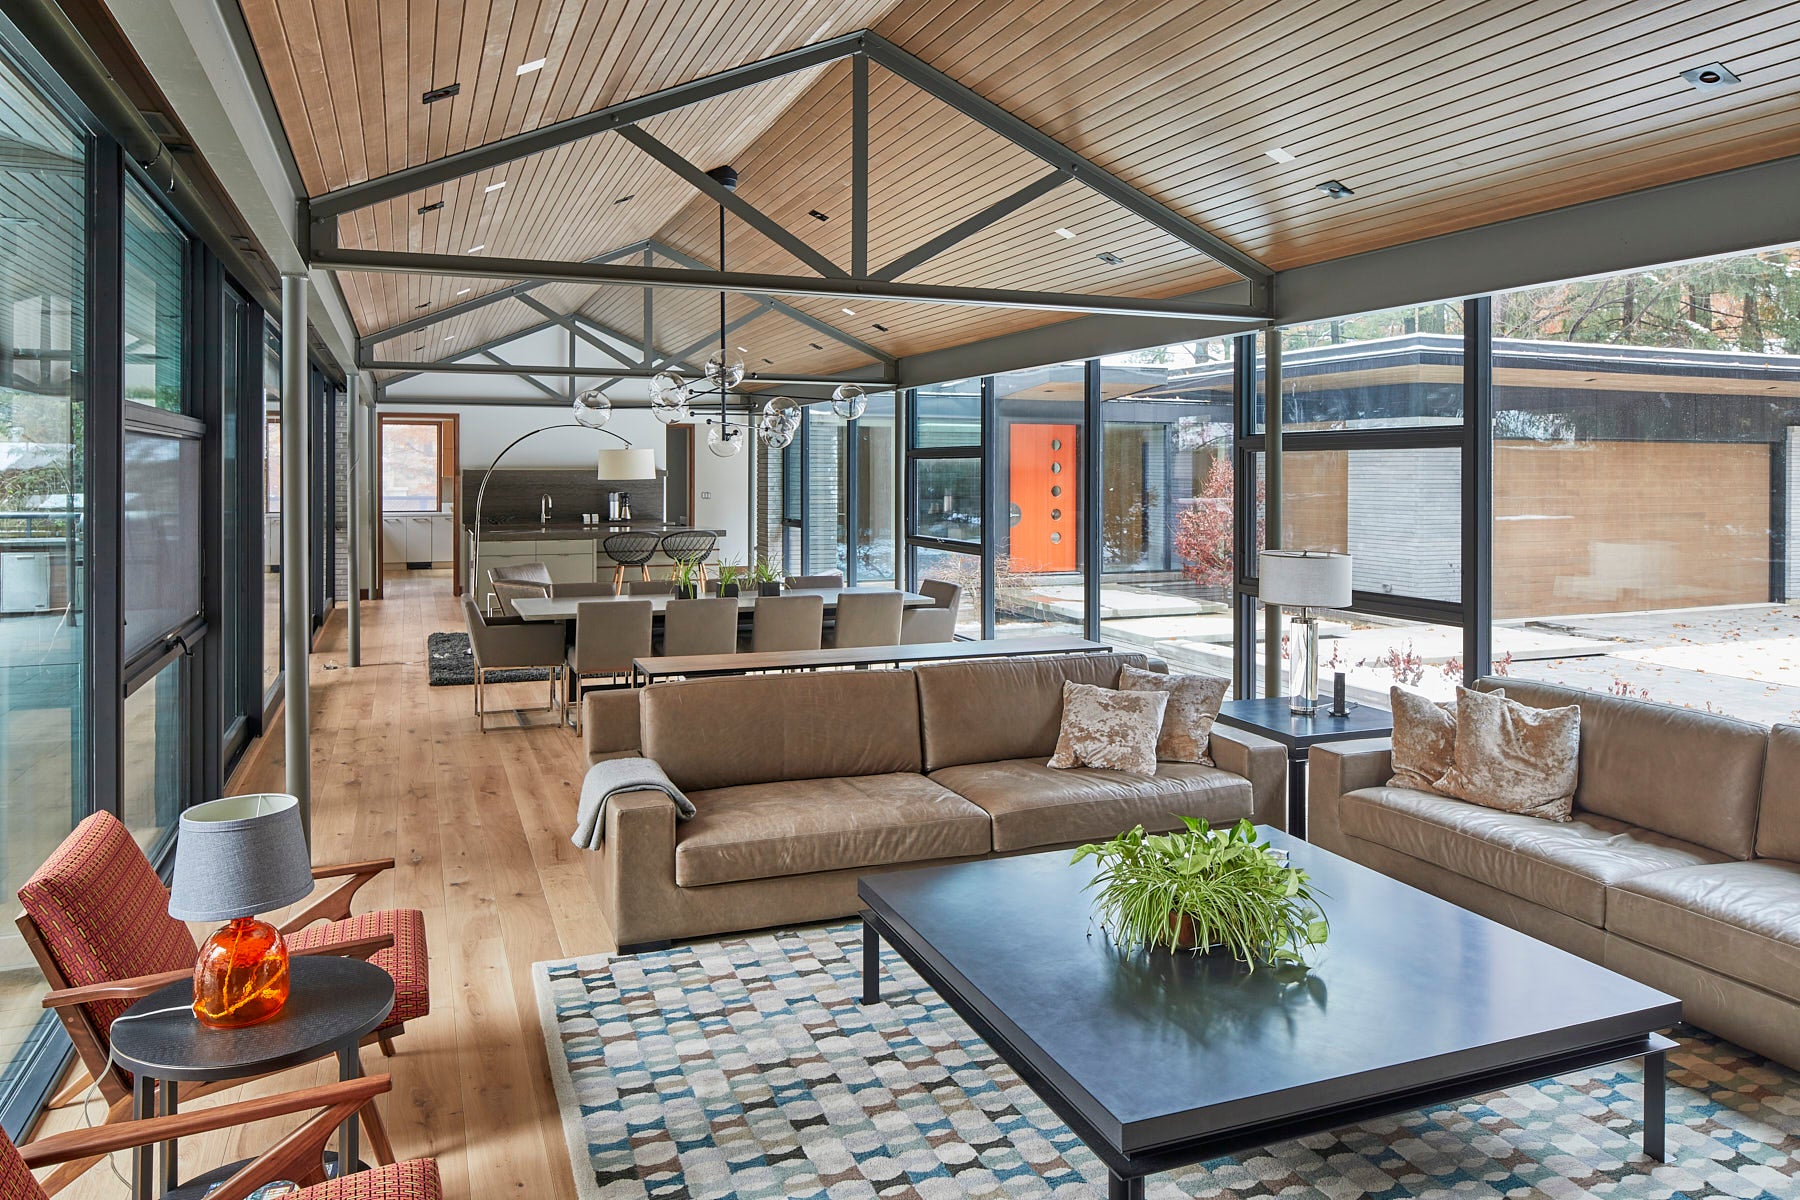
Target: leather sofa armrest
(1260,760)
(609,723)
(1335,769)
(633,872)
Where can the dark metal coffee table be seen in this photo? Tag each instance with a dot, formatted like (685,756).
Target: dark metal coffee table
(1161,1060)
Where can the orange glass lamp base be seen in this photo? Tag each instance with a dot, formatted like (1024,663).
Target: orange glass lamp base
(242,975)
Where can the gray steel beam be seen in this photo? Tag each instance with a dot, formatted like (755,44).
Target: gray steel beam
(465,307)
(771,304)
(985,112)
(519,402)
(296,550)
(506,368)
(747,212)
(559,133)
(405,263)
(649,315)
(539,384)
(679,358)
(997,211)
(573,326)
(859,166)
(355,429)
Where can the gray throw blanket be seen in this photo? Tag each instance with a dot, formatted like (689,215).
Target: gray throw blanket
(607,778)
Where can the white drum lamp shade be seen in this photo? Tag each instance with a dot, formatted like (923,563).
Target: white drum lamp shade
(240,856)
(629,462)
(1303,579)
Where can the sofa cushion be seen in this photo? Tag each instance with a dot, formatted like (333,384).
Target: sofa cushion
(719,733)
(1033,804)
(1010,708)
(1741,919)
(1694,776)
(768,830)
(1778,822)
(1567,866)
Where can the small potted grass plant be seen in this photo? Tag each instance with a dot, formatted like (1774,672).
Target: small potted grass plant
(766,577)
(1203,889)
(730,572)
(686,578)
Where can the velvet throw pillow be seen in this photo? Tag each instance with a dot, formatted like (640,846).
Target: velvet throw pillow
(1512,757)
(1424,739)
(1188,720)
(1111,729)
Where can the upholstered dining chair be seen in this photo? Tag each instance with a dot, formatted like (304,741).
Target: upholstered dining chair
(505,591)
(97,918)
(803,582)
(608,636)
(936,623)
(299,1157)
(706,626)
(868,619)
(504,645)
(630,549)
(787,623)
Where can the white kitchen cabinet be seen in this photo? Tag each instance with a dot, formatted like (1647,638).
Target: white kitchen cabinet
(272,540)
(418,539)
(443,539)
(568,561)
(393,541)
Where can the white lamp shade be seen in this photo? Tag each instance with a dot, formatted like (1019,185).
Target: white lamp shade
(629,462)
(1303,578)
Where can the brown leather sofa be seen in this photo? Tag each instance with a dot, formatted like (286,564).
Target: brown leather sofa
(1681,867)
(805,781)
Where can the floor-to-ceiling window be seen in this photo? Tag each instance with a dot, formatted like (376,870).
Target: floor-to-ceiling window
(944,525)
(1038,455)
(869,462)
(271,514)
(1646,484)
(44,728)
(1168,575)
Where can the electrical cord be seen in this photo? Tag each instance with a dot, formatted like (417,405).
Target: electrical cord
(87,1100)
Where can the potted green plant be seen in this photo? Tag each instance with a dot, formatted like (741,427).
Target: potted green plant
(766,577)
(686,578)
(1202,889)
(730,571)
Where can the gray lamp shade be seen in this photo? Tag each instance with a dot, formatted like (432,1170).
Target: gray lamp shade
(628,462)
(1303,578)
(238,857)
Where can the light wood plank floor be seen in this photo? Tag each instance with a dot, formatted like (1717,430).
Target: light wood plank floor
(480,828)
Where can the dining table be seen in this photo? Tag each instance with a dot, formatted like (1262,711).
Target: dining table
(533,608)
(700,666)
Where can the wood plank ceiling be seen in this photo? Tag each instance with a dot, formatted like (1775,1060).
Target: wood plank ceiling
(1440,114)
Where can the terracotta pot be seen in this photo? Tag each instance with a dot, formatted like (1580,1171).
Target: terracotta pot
(1185,937)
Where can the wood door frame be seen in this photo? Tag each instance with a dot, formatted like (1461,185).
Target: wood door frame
(692,445)
(449,452)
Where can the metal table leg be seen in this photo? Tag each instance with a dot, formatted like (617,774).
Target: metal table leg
(1656,1082)
(169,1149)
(871,965)
(349,1153)
(1297,794)
(143,1164)
(1120,1188)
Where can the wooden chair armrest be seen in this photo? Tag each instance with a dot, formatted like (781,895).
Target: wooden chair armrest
(373,866)
(335,904)
(124,1135)
(140,986)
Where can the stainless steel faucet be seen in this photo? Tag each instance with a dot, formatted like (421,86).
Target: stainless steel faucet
(545,504)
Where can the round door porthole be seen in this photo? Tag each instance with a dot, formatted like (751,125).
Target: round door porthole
(1056,468)
(1056,443)
(1056,514)
(1056,539)
(1056,489)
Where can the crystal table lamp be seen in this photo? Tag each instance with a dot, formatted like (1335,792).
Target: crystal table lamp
(1306,580)
(235,858)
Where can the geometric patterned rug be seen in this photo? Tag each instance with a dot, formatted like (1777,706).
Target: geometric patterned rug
(746,1069)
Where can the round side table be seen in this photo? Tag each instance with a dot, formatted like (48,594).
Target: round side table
(332,1005)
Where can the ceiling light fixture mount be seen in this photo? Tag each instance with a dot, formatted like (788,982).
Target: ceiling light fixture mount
(1335,189)
(1110,259)
(1280,155)
(441,93)
(1711,77)
(426,208)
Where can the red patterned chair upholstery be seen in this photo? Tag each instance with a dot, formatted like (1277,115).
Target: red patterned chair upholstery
(299,1156)
(96,913)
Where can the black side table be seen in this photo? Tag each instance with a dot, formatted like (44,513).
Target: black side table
(1270,717)
(332,1005)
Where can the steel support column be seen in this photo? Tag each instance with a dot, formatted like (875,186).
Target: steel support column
(296,501)
(354,504)
(1478,488)
(1272,414)
(1092,509)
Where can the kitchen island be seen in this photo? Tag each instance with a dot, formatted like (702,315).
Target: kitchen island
(569,550)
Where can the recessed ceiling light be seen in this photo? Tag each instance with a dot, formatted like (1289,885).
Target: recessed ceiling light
(625,199)
(815,345)
(1068,233)
(816,215)
(881,327)
(850,312)
(1110,259)
(425,208)
(440,93)
(464,291)
(477,249)
(1713,77)
(526,68)
(494,187)
(427,304)
(741,350)
(450,337)
(1279,155)
(1334,189)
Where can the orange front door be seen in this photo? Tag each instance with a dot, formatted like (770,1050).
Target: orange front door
(1045,530)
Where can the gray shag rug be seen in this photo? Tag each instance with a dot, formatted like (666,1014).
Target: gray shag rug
(452,662)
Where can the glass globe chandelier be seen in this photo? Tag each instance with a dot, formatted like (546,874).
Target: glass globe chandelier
(593,408)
